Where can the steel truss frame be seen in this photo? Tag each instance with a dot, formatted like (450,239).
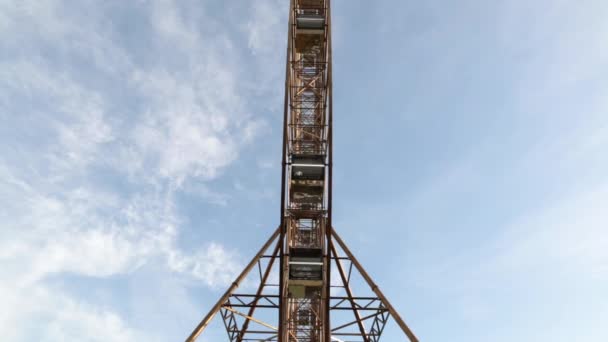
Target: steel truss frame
(374,311)
(305,248)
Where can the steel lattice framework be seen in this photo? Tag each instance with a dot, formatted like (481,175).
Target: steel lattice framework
(296,298)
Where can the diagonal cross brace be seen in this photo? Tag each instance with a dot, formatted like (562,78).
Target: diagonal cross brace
(349,294)
(375,288)
(216,308)
(263,280)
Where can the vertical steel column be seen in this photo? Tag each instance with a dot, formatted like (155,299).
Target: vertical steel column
(283,226)
(328,228)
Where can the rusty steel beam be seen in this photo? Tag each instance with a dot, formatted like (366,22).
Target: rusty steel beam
(330,175)
(258,294)
(404,327)
(249,318)
(349,293)
(283,226)
(214,310)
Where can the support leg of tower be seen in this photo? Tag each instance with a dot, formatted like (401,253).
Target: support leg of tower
(216,308)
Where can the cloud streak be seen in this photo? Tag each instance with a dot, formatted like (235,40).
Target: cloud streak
(102,140)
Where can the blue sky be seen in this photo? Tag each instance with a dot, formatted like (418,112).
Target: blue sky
(140,147)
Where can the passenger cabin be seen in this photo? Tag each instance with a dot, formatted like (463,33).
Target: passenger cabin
(307,195)
(305,270)
(311,21)
(308,168)
(310,24)
(307,182)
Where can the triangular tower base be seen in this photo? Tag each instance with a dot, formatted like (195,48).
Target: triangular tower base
(253,315)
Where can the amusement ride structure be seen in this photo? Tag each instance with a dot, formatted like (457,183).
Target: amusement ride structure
(307,274)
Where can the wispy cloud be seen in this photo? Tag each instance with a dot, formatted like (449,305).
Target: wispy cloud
(91,234)
(100,144)
(60,318)
(266,19)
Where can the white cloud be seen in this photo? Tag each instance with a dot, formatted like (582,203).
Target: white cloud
(180,143)
(58,317)
(34,25)
(264,23)
(79,140)
(196,120)
(193,121)
(213,265)
(74,121)
(51,235)
(180,118)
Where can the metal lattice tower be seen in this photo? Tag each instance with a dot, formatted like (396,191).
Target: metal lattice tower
(296,299)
